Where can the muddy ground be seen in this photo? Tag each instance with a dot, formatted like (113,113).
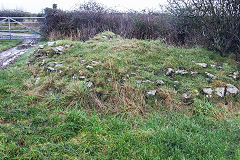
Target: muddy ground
(9,56)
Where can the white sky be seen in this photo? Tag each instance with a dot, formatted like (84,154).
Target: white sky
(36,6)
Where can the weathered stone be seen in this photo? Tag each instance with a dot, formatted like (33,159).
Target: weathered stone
(58,49)
(51,44)
(133,73)
(67,46)
(204,65)
(233,76)
(89,84)
(41,46)
(208,91)
(236,73)
(195,92)
(51,69)
(111,37)
(213,65)
(74,77)
(192,72)
(83,61)
(95,62)
(43,62)
(169,72)
(58,65)
(54,49)
(110,80)
(210,75)
(220,91)
(28,62)
(104,37)
(37,80)
(181,71)
(187,95)
(89,67)
(219,67)
(82,77)
(231,89)
(151,92)
(160,82)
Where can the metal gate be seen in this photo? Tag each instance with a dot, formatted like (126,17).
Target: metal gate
(20,27)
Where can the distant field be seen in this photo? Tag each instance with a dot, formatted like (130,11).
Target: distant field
(6,44)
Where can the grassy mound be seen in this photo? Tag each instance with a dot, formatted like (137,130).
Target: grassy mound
(109,73)
(96,100)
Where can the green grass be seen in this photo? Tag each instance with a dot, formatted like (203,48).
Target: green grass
(6,44)
(57,117)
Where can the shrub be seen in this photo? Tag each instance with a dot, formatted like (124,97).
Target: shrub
(213,23)
(92,18)
(14,13)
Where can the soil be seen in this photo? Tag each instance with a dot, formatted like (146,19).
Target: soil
(9,56)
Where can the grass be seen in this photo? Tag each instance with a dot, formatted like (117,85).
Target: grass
(6,44)
(53,115)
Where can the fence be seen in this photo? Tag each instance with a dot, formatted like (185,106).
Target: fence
(20,27)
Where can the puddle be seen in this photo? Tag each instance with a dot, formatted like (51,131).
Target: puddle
(9,56)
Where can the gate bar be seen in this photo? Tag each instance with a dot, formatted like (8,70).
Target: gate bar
(23,25)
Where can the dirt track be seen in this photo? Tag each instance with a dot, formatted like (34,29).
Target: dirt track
(10,56)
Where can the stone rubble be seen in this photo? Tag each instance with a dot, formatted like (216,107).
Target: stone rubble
(82,77)
(151,92)
(41,46)
(51,44)
(160,82)
(220,91)
(95,62)
(204,65)
(169,72)
(210,75)
(187,95)
(231,89)
(51,68)
(181,71)
(208,91)
(67,46)
(89,67)
(89,84)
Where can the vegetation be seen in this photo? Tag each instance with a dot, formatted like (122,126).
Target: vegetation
(14,13)
(50,110)
(213,23)
(93,18)
(6,44)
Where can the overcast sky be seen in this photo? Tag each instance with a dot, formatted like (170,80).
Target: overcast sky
(36,6)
